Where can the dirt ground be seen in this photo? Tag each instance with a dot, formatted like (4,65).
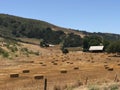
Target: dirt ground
(79,66)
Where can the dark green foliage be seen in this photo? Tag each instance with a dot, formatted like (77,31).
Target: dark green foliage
(106,43)
(72,40)
(4,53)
(107,36)
(43,43)
(12,26)
(65,51)
(114,47)
(91,41)
(13,48)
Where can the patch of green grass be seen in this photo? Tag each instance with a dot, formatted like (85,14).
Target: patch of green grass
(93,87)
(114,87)
(4,53)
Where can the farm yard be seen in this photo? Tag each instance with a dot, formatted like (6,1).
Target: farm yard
(28,73)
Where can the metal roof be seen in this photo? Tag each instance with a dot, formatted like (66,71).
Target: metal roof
(96,48)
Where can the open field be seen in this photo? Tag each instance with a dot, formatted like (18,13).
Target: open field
(60,70)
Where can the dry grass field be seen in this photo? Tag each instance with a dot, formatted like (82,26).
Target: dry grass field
(59,69)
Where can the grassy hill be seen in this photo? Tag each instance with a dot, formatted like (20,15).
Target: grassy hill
(19,28)
(10,22)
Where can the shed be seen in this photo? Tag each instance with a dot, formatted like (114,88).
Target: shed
(96,48)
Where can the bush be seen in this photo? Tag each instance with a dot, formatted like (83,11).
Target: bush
(114,87)
(4,53)
(93,87)
(114,47)
(65,51)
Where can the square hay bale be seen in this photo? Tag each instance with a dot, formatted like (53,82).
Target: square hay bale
(55,64)
(106,66)
(26,71)
(41,63)
(29,61)
(44,65)
(71,63)
(14,75)
(38,77)
(52,61)
(63,60)
(88,60)
(92,61)
(105,62)
(63,71)
(67,62)
(76,68)
(110,69)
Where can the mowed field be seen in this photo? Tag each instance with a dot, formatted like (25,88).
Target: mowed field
(76,66)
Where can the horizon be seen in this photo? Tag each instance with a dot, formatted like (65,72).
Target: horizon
(91,16)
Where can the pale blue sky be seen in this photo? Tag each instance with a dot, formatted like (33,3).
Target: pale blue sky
(89,15)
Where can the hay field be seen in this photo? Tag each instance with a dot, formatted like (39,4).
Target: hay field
(59,69)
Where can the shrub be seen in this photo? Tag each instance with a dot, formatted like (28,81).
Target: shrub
(4,53)
(93,87)
(114,87)
(65,51)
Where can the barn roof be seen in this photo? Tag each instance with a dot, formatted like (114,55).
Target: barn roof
(96,48)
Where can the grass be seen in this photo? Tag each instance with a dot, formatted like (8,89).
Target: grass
(4,53)
(93,87)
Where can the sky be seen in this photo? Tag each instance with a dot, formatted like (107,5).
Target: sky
(86,15)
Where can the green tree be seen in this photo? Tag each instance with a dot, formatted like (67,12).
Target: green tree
(92,40)
(72,40)
(114,47)
(65,51)
(106,43)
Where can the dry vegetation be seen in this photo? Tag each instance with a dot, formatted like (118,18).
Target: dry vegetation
(62,71)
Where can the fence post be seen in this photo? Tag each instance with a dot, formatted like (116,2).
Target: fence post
(45,84)
(86,81)
(115,79)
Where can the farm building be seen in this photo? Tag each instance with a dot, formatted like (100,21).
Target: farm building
(96,48)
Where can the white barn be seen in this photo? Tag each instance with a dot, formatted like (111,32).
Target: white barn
(96,48)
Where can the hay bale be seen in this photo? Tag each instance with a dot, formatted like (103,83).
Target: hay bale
(67,62)
(76,68)
(52,61)
(63,60)
(14,75)
(88,60)
(38,77)
(106,67)
(110,69)
(44,65)
(28,61)
(26,71)
(55,64)
(71,63)
(63,71)
(92,61)
(41,62)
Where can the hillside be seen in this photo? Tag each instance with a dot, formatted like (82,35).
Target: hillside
(19,28)
(10,22)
